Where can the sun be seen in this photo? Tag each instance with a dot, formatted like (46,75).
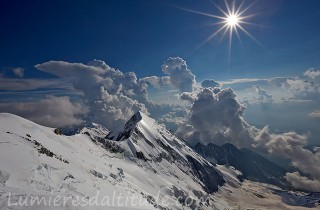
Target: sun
(232,20)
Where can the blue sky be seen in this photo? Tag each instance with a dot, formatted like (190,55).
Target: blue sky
(139,35)
(277,80)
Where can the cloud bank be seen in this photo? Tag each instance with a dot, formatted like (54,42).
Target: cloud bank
(52,111)
(207,113)
(111,95)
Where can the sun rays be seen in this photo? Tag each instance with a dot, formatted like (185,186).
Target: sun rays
(231,21)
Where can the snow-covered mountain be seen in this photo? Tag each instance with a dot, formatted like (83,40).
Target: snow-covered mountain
(142,167)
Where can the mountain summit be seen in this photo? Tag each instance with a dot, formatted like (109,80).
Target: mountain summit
(144,139)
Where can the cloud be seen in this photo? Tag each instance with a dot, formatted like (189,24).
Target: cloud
(245,83)
(216,117)
(282,89)
(52,111)
(210,83)
(188,96)
(290,146)
(312,73)
(111,95)
(302,182)
(249,82)
(242,80)
(180,76)
(315,114)
(175,118)
(299,89)
(19,72)
(10,84)
(157,82)
(263,95)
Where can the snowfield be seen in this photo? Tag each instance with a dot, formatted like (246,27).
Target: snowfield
(142,167)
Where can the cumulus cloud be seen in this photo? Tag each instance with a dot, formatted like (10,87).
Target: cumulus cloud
(282,89)
(52,111)
(315,114)
(263,95)
(180,76)
(188,96)
(302,182)
(300,86)
(157,82)
(210,83)
(312,73)
(299,89)
(291,146)
(19,72)
(216,117)
(111,95)
(175,118)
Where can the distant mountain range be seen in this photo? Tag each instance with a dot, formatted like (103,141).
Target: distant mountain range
(253,166)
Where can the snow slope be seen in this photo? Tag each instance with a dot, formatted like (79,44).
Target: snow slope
(142,167)
(34,161)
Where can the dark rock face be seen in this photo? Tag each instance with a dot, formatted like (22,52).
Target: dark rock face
(129,127)
(206,174)
(141,156)
(253,166)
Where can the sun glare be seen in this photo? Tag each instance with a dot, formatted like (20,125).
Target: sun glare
(232,20)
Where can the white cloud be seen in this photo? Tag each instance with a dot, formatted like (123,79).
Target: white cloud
(312,73)
(299,89)
(157,82)
(52,111)
(177,117)
(315,114)
(290,146)
(112,96)
(210,83)
(216,117)
(19,72)
(302,182)
(263,95)
(188,96)
(180,76)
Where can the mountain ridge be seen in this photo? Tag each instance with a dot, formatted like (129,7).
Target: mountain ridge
(151,163)
(252,165)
